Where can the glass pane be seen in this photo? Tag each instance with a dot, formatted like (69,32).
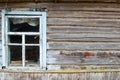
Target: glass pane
(15,39)
(32,56)
(23,24)
(32,39)
(15,55)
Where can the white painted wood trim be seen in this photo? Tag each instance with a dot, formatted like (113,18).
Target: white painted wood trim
(22,16)
(17,44)
(44,41)
(25,33)
(23,50)
(29,13)
(40,48)
(3,39)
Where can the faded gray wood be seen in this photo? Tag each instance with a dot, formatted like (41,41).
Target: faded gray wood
(83,29)
(80,57)
(82,35)
(85,40)
(59,76)
(82,67)
(83,22)
(84,14)
(83,46)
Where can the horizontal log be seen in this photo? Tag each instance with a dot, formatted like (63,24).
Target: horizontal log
(85,22)
(85,40)
(77,29)
(83,67)
(70,6)
(67,57)
(82,35)
(83,46)
(84,57)
(84,14)
(81,54)
(84,7)
(3,1)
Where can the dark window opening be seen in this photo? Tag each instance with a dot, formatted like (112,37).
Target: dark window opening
(24,24)
(15,39)
(32,39)
(15,58)
(32,55)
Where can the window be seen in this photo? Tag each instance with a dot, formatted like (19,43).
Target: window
(24,39)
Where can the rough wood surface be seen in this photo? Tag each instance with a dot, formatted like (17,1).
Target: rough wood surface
(82,35)
(83,67)
(59,76)
(82,29)
(58,1)
(83,46)
(83,22)
(71,6)
(84,14)
(82,57)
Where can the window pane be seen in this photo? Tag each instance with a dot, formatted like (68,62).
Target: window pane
(23,25)
(15,39)
(15,58)
(32,39)
(32,56)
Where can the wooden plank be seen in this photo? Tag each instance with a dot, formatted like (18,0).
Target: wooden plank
(82,35)
(87,1)
(85,40)
(70,6)
(82,21)
(84,61)
(85,6)
(82,57)
(61,75)
(79,29)
(83,46)
(12,1)
(84,14)
(83,67)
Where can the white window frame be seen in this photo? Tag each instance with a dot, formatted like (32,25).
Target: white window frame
(42,16)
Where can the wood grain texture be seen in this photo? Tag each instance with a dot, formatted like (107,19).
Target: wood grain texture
(56,1)
(59,76)
(82,58)
(82,35)
(84,14)
(67,7)
(82,29)
(83,67)
(83,46)
(85,22)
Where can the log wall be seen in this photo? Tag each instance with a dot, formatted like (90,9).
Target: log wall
(80,33)
(83,34)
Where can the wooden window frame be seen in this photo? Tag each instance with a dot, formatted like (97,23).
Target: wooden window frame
(42,33)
